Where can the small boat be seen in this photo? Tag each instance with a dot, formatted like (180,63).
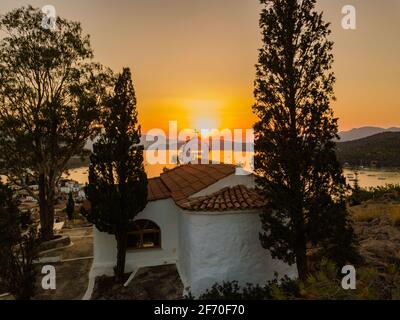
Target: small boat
(381,178)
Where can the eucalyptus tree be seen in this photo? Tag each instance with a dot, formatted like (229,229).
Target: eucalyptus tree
(51,93)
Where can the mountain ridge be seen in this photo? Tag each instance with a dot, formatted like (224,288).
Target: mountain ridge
(363,132)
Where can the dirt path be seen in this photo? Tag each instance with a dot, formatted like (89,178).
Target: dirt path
(71,276)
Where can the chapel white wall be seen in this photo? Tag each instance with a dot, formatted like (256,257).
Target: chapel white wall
(165,214)
(225,247)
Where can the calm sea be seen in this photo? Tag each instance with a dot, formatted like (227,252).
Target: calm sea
(367,177)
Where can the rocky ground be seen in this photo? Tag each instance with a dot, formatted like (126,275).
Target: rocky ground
(378,233)
(152,283)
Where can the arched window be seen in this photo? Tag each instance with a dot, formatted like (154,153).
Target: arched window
(144,234)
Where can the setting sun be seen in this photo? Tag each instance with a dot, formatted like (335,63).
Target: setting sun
(204,114)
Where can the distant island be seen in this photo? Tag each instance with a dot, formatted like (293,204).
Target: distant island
(366,146)
(379,150)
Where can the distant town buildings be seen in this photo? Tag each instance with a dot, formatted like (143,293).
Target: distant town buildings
(28,197)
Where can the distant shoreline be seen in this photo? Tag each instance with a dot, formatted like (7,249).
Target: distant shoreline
(355,168)
(85,164)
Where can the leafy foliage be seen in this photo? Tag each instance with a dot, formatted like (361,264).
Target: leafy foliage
(295,152)
(50,101)
(375,193)
(231,290)
(356,193)
(323,283)
(18,248)
(117,186)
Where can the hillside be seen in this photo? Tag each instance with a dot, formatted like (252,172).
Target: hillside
(382,149)
(363,132)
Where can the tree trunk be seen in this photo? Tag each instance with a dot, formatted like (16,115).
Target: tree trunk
(46,207)
(301,259)
(119,270)
(50,211)
(24,294)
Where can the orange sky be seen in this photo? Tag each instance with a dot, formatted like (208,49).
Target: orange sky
(193,60)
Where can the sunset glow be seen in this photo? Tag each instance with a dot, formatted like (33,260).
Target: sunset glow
(193,61)
(204,114)
(188,151)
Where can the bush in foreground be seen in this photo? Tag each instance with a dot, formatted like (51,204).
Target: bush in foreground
(324,283)
(18,249)
(360,195)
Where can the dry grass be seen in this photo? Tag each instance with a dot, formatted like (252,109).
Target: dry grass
(369,212)
(394,215)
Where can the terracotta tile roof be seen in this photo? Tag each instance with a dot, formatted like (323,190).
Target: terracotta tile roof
(157,190)
(183,181)
(227,199)
(186,180)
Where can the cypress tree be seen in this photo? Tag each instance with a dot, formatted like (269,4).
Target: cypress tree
(117,186)
(295,151)
(70,207)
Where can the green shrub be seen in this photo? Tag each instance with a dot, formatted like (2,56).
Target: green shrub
(360,195)
(324,283)
(231,290)
(18,248)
